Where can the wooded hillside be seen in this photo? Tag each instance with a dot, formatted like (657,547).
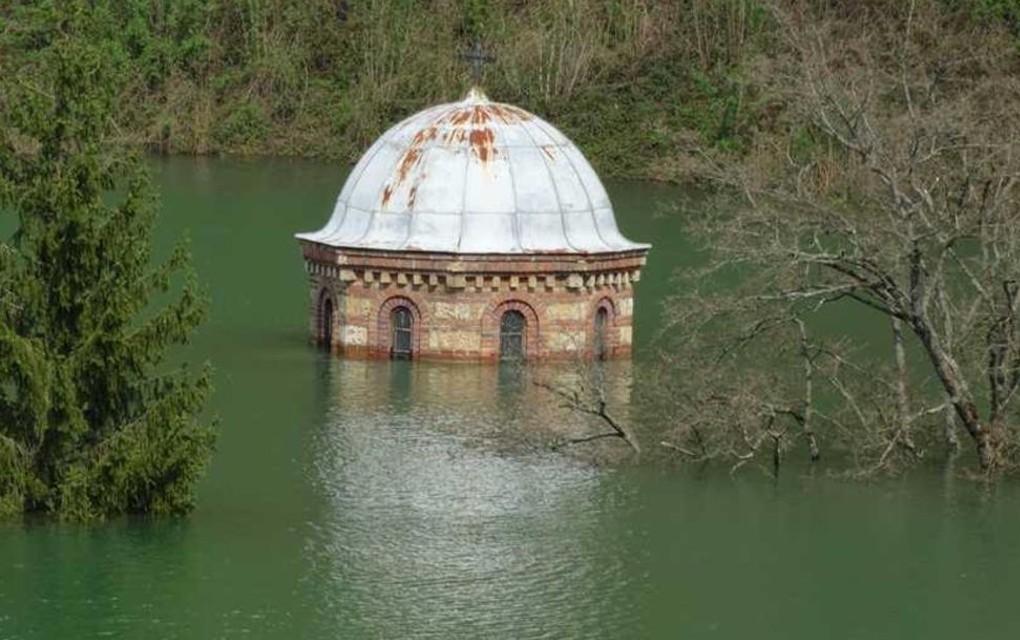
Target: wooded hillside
(638,84)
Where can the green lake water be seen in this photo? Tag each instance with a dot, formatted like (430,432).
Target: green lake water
(394,500)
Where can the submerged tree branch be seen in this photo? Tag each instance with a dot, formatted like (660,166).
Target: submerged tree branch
(572,399)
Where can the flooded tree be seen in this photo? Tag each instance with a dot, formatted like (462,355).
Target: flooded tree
(888,200)
(584,392)
(95,419)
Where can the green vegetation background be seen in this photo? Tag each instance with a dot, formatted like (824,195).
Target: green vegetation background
(96,417)
(640,85)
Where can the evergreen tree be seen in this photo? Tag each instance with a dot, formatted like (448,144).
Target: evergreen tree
(94,421)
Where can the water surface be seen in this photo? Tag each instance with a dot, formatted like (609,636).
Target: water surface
(395,500)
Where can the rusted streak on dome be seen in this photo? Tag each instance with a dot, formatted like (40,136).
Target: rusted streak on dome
(411,159)
(508,114)
(481,114)
(482,144)
(409,162)
(456,117)
(454,137)
(424,136)
(464,124)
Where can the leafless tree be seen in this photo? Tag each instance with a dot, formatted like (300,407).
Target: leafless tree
(584,392)
(892,192)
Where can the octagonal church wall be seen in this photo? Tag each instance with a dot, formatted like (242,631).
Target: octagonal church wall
(456,309)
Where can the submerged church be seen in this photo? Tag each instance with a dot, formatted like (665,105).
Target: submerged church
(473,231)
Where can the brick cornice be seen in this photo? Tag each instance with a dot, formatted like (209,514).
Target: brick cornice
(421,261)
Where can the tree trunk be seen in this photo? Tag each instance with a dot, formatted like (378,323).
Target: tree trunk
(903,399)
(949,416)
(956,388)
(807,411)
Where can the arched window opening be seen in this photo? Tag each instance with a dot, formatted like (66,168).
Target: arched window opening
(401,333)
(512,326)
(600,348)
(326,320)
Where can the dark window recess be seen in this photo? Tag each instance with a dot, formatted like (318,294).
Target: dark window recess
(401,329)
(511,335)
(326,330)
(600,349)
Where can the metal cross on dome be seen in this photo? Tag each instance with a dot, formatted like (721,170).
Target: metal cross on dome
(478,58)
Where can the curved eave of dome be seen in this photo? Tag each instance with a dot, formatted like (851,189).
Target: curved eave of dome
(474,177)
(633,249)
(512,234)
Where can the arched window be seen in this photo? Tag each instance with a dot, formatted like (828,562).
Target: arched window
(401,333)
(512,326)
(326,322)
(600,348)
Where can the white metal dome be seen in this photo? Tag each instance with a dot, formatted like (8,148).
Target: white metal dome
(474,177)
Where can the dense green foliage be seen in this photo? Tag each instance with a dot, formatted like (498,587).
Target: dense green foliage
(638,84)
(633,81)
(93,422)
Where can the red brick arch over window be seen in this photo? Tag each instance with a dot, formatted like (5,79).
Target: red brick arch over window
(491,324)
(612,335)
(379,336)
(324,334)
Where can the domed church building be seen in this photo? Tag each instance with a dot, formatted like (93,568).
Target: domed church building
(473,231)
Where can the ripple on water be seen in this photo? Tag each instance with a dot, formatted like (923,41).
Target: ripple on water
(433,529)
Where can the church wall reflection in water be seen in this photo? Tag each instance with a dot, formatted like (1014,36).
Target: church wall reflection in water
(449,516)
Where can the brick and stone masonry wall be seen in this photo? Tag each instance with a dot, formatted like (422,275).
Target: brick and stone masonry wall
(456,302)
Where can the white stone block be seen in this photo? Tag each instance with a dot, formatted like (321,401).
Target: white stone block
(625,307)
(626,335)
(355,336)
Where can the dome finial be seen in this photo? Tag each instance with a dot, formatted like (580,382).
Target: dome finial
(477,58)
